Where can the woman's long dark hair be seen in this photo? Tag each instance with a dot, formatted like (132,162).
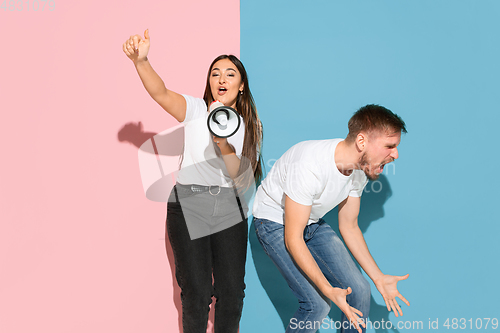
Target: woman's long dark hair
(245,105)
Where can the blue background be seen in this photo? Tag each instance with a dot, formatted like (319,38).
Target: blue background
(436,64)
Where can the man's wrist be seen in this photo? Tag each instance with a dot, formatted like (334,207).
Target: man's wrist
(378,278)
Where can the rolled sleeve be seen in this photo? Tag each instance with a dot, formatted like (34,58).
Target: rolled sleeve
(358,184)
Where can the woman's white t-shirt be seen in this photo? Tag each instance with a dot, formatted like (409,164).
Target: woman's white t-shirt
(200,164)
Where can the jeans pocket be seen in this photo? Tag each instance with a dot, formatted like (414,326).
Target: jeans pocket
(268,231)
(227,205)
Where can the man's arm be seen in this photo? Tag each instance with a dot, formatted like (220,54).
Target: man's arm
(296,218)
(353,238)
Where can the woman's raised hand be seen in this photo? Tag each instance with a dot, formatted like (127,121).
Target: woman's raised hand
(136,47)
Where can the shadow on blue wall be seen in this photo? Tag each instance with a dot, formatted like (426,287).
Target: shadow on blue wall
(372,209)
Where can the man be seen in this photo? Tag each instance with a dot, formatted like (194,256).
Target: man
(309,180)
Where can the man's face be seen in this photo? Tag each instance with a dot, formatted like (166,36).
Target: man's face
(380,149)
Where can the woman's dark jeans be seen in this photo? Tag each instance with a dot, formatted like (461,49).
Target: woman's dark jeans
(222,254)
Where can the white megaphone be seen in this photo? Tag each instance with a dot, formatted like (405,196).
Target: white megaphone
(223,121)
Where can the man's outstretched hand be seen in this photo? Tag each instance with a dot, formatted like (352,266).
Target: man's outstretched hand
(338,296)
(387,286)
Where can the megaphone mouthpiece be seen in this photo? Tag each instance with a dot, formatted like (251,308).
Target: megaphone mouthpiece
(215,104)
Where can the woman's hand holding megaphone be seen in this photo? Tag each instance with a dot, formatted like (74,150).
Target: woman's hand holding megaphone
(225,147)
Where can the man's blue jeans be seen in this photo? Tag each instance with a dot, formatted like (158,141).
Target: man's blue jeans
(334,261)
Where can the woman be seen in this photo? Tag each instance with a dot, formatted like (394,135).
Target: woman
(221,249)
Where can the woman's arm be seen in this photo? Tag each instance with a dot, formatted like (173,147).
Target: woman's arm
(137,49)
(229,156)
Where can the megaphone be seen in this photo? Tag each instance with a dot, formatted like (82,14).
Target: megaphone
(223,121)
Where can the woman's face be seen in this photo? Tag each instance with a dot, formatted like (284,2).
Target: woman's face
(225,82)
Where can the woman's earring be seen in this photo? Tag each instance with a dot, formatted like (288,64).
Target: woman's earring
(241,92)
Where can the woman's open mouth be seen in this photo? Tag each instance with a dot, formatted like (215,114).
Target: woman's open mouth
(222,91)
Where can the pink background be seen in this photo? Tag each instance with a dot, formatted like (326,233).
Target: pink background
(81,248)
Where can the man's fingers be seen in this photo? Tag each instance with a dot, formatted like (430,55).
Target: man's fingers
(356,311)
(357,327)
(355,320)
(146,34)
(404,299)
(359,321)
(395,308)
(399,309)
(404,277)
(387,304)
(352,314)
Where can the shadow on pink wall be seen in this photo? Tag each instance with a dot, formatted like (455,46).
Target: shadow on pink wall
(159,159)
